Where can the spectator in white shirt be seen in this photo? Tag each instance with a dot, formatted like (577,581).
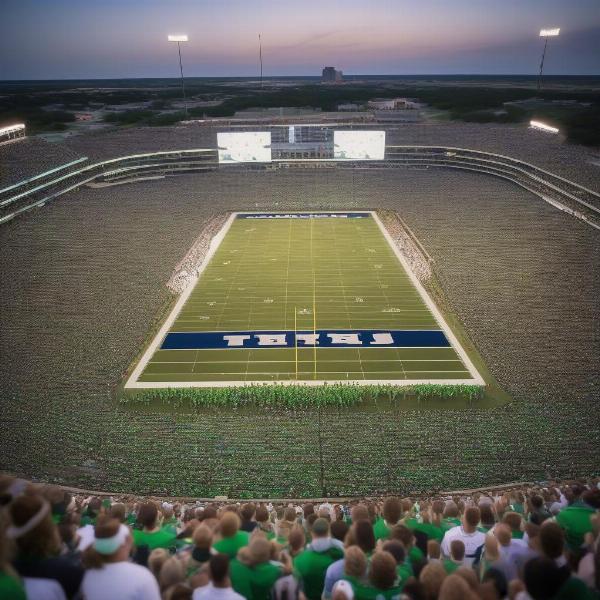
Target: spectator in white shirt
(219,587)
(467,533)
(110,574)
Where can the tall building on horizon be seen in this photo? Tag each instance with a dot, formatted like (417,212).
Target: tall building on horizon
(331,75)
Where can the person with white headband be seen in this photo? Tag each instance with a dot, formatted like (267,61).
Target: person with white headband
(38,559)
(109,573)
(11,586)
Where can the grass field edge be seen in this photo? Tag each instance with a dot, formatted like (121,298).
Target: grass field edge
(477,379)
(132,382)
(133,386)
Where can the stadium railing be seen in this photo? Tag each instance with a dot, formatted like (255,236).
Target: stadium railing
(560,192)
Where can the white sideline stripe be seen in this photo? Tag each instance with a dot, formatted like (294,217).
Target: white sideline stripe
(477,378)
(134,383)
(243,362)
(246,373)
(348,329)
(150,385)
(320,348)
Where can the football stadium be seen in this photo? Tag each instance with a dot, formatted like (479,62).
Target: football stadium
(299,332)
(257,347)
(427,298)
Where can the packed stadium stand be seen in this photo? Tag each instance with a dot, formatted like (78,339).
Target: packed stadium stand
(509,264)
(84,284)
(536,542)
(31,156)
(550,152)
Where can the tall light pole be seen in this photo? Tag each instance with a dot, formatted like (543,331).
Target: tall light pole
(260,58)
(545,33)
(179,39)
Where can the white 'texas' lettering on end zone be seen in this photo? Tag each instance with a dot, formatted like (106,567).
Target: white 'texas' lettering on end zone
(277,339)
(344,338)
(382,338)
(236,340)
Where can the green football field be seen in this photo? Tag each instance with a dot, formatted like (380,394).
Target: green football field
(303,298)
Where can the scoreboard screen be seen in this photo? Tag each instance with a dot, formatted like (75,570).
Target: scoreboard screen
(244,147)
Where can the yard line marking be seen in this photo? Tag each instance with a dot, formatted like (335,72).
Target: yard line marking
(310,372)
(296,338)
(338,268)
(325,360)
(314,296)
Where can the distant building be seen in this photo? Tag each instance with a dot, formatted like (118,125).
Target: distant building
(331,75)
(393,104)
(348,106)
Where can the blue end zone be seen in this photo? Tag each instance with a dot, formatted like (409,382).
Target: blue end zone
(362,338)
(352,215)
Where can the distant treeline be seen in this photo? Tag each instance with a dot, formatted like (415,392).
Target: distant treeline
(48,108)
(581,124)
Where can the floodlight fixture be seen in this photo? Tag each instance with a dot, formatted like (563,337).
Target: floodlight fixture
(260,59)
(179,39)
(550,32)
(543,127)
(12,128)
(545,33)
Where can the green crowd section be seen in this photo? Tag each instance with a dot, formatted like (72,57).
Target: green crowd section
(304,275)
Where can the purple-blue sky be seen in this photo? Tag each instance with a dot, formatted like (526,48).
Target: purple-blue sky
(56,39)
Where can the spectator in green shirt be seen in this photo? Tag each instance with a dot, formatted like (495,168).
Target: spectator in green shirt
(487,519)
(296,541)
(576,519)
(457,556)
(403,570)
(406,536)
(382,580)
(451,516)
(311,565)
(431,518)
(515,521)
(11,587)
(544,579)
(392,513)
(232,539)
(151,534)
(264,523)
(264,571)
(91,512)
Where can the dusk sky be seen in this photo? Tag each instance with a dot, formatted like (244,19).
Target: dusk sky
(62,39)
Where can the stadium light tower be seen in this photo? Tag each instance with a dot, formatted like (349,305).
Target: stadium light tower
(545,33)
(179,39)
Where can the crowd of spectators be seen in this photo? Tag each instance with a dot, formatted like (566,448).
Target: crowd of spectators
(30,157)
(525,544)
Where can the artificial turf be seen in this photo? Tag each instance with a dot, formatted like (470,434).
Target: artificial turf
(322,273)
